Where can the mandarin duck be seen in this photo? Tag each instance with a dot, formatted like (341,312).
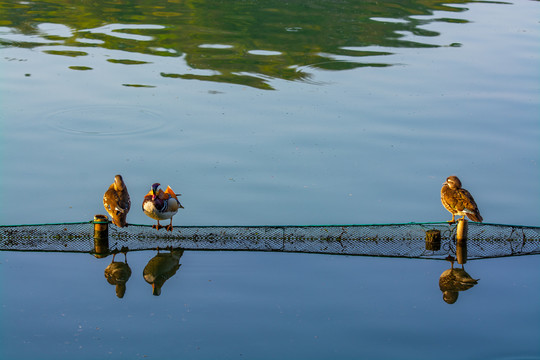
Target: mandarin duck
(161,205)
(162,267)
(452,281)
(458,200)
(116,201)
(118,273)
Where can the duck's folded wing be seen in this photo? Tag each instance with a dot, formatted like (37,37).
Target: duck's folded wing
(465,201)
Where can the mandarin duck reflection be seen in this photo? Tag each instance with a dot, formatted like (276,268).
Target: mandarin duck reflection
(161,205)
(116,201)
(162,267)
(452,281)
(458,200)
(118,273)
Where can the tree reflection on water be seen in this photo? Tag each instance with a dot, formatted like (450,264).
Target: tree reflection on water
(239,42)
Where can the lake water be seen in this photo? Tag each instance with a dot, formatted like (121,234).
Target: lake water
(265,113)
(244,305)
(373,107)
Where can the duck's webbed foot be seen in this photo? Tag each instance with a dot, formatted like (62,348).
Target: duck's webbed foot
(170,227)
(157,227)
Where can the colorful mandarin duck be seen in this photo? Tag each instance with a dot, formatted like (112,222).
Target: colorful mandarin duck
(458,200)
(116,201)
(161,205)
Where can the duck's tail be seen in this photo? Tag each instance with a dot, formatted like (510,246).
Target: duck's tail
(475,216)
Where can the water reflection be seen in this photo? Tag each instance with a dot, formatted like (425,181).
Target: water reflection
(164,265)
(454,280)
(118,273)
(247,42)
(161,268)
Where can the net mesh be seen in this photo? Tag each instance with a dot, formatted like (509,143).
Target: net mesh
(389,240)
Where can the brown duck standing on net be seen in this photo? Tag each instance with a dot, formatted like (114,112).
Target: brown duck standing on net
(116,201)
(458,200)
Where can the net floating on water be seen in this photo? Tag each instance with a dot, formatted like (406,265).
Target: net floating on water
(409,240)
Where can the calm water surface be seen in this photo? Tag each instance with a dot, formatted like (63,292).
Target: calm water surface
(263,113)
(267,306)
(373,106)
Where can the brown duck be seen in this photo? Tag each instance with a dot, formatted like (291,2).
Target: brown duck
(116,201)
(458,200)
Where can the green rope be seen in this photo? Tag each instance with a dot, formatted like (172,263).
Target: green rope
(51,224)
(299,226)
(279,226)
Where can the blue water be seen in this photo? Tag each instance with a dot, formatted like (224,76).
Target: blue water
(262,114)
(236,305)
(366,145)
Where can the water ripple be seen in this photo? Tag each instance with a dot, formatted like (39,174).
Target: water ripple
(105,120)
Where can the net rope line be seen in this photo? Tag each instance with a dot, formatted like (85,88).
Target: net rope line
(388,240)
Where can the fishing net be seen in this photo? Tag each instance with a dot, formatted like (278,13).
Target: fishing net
(409,240)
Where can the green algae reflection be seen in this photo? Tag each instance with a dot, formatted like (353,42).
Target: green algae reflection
(245,42)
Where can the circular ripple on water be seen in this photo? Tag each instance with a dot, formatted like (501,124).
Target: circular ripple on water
(105,120)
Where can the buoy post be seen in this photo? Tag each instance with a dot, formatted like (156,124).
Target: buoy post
(461,232)
(101,235)
(461,241)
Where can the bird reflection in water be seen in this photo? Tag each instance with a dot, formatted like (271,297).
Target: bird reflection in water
(452,281)
(162,267)
(118,273)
